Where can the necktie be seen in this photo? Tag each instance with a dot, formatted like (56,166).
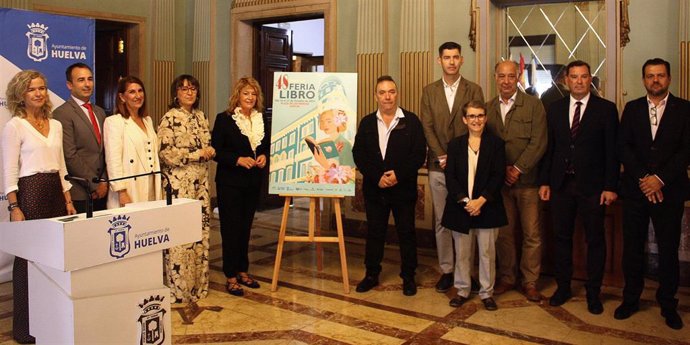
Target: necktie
(576,121)
(94,123)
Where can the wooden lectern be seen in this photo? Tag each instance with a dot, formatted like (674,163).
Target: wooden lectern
(100,280)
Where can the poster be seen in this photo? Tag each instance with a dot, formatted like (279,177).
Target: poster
(46,43)
(313,131)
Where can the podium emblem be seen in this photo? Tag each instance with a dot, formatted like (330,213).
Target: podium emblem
(151,321)
(37,49)
(119,236)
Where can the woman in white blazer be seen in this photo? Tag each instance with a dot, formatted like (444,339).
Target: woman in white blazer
(131,147)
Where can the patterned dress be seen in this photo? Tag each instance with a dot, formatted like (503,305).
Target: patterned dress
(181,135)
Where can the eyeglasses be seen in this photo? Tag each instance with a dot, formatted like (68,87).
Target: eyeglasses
(186,89)
(652,117)
(476,116)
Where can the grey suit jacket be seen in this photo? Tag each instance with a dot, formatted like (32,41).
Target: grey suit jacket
(84,157)
(524,133)
(440,123)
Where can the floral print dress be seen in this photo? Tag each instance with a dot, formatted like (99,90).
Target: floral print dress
(182,135)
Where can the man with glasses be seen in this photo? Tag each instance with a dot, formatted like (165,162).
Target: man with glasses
(82,124)
(441,114)
(654,142)
(520,120)
(579,175)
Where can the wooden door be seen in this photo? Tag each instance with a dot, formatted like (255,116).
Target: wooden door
(274,55)
(112,49)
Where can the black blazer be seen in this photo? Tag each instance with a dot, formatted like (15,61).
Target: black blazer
(667,156)
(230,144)
(488,180)
(405,154)
(592,153)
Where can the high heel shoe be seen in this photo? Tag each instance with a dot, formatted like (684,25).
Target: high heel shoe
(234,289)
(247,281)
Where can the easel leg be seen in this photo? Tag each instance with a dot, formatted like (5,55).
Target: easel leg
(281,242)
(341,246)
(317,227)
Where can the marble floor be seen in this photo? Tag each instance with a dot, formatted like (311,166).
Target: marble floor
(310,307)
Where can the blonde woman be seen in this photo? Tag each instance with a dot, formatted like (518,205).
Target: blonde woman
(34,171)
(241,142)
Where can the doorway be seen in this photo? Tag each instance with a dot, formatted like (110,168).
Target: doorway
(112,50)
(286,44)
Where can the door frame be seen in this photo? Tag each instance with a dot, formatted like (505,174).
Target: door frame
(136,32)
(243,18)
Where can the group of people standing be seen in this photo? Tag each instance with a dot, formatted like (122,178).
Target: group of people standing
(40,147)
(491,165)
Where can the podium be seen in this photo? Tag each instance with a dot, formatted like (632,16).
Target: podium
(100,280)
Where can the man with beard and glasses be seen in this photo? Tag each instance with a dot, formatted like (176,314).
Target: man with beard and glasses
(654,144)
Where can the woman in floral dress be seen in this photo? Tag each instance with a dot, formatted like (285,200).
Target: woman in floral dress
(184,153)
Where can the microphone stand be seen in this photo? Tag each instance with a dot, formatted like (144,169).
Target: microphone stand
(168,187)
(84,184)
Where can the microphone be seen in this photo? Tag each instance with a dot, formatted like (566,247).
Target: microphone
(84,184)
(168,187)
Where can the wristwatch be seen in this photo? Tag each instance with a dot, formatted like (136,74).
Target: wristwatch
(464,201)
(12,206)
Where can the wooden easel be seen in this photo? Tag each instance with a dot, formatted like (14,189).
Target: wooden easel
(313,236)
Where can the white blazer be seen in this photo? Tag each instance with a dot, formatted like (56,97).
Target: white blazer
(129,152)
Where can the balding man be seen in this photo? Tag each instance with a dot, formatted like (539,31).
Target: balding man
(520,120)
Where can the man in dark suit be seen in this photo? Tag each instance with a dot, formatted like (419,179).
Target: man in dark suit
(441,114)
(579,174)
(389,149)
(82,124)
(654,144)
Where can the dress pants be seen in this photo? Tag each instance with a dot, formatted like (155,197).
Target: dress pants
(378,209)
(444,236)
(567,203)
(522,206)
(236,206)
(486,251)
(666,219)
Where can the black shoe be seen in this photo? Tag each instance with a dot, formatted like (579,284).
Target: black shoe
(234,289)
(594,305)
(445,282)
(673,320)
(247,281)
(367,284)
(625,310)
(489,304)
(457,301)
(409,287)
(559,297)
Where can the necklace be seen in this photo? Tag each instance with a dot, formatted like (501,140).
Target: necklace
(476,143)
(39,124)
